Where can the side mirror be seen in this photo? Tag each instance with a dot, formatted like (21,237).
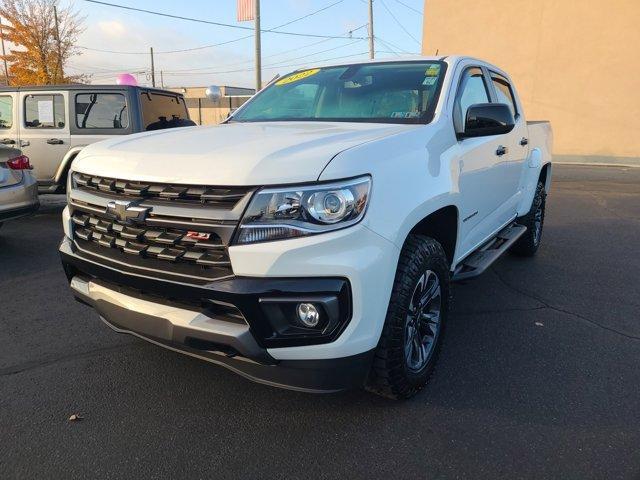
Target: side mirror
(213,93)
(484,119)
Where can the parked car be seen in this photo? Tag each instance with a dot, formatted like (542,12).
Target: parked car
(52,124)
(18,187)
(311,240)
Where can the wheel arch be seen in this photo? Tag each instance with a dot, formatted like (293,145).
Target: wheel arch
(65,164)
(441,225)
(545,176)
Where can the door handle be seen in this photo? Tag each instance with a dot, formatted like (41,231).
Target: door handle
(24,143)
(524,141)
(8,141)
(55,141)
(501,150)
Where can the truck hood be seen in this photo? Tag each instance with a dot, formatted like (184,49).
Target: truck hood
(229,154)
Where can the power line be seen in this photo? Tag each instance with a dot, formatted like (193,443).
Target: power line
(409,7)
(278,62)
(393,46)
(399,23)
(296,49)
(210,22)
(202,47)
(265,67)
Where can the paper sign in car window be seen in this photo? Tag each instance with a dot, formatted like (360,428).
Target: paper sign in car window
(432,71)
(45,111)
(297,76)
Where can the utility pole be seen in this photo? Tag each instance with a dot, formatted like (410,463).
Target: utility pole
(256,15)
(161,80)
(59,65)
(372,53)
(6,69)
(153,70)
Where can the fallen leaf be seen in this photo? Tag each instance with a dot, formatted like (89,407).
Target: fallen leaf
(76,417)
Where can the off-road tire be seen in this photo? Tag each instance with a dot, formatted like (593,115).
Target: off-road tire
(390,375)
(527,245)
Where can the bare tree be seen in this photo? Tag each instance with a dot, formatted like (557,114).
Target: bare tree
(38,50)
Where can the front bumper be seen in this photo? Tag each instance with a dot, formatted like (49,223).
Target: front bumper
(193,319)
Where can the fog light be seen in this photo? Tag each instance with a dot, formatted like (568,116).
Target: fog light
(308,314)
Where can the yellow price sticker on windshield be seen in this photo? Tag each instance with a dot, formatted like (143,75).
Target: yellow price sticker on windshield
(297,76)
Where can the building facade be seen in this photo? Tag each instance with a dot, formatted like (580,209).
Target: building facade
(574,62)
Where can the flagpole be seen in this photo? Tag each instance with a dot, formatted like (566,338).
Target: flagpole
(256,14)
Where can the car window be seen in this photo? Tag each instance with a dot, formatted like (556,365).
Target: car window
(504,92)
(101,110)
(6,111)
(471,90)
(163,111)
(44,111)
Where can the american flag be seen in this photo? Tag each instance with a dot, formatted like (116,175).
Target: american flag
(245,10)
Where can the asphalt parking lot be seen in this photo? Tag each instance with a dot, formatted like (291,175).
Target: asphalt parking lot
(539,377)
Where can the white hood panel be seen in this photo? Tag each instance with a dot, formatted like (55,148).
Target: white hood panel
(229,154)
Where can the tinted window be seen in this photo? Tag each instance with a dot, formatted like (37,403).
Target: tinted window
(44,111)
(398,92)
(101,110)
(6,111)
(504,92)
(163,111)
(472,90)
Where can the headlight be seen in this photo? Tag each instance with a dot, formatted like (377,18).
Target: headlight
(289,212)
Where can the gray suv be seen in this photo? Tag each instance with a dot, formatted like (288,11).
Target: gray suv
(51,124)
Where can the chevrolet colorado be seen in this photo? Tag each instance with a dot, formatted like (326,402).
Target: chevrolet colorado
(311,240)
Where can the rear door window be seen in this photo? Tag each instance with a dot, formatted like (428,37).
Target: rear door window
(504,92)
(163,111)
(6,111)
(101,110)
(44,111)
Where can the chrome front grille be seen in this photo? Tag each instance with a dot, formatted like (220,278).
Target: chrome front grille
(183,237)
(162,243)
(218,196)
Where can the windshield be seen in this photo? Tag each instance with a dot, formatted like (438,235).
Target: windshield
(398,92)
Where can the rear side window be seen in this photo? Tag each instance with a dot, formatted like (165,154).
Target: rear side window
(504,92)
(44,111)
(6,111)
(163,111)
(101,110)
(471,90)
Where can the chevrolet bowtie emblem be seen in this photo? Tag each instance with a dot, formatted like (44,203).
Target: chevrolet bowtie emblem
(127,211)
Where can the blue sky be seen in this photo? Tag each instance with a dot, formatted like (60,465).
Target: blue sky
(117,30)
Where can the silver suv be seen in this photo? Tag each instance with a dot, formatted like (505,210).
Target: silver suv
(51,124)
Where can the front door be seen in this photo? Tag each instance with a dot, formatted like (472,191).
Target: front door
(44,131)
(482,194)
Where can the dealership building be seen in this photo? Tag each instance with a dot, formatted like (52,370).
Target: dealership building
(574,63)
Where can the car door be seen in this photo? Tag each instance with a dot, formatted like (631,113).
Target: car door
(44,131)
(516,147)
(481,190)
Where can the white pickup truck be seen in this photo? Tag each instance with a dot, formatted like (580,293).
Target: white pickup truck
(311,240)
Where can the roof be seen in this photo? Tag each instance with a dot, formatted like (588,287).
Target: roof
(79,86)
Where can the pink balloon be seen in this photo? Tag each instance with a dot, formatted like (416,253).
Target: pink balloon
(126,79)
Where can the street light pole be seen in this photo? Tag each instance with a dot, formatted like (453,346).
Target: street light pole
(256,15)
(372,53)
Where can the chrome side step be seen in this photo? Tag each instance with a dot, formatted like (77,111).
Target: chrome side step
(483,257)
